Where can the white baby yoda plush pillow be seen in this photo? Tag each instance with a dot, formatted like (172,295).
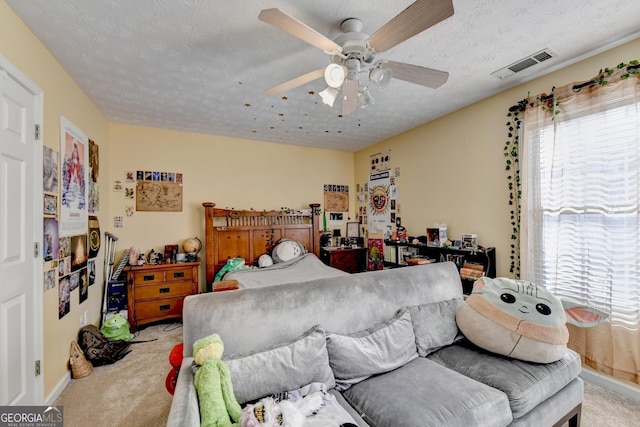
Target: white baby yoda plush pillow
(520,319)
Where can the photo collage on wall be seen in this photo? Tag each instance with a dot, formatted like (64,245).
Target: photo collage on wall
(71,238)
(153,191)
(378,207)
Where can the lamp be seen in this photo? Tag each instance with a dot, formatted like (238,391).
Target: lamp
(329,95)
(380,76)
(365,98)
(334,75)
(336,235)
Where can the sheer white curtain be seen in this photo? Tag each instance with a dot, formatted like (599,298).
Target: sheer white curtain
(581,214)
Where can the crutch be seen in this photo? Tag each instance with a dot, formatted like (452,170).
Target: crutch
(111,242)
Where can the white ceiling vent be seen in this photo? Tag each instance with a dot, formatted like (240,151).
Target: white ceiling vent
(524,63)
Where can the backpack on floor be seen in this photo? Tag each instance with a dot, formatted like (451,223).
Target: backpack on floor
(100,350)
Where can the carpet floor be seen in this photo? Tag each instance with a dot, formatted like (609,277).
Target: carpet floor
(132,391)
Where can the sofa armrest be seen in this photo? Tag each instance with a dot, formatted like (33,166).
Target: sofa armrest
(185,410)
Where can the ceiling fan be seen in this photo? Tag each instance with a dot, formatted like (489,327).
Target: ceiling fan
(353,53)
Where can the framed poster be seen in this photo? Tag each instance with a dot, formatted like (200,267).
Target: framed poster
(353,229)
(74,192)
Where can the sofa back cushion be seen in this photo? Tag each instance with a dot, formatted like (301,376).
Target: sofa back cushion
(250,319)
(284,367)
(434,324)
(381,348)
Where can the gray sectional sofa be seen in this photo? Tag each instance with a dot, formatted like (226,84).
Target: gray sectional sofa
(428,374)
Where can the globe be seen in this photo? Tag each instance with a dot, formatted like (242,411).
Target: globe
(192,245)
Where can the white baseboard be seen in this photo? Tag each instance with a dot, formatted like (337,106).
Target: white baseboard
(55,393)
(621,387)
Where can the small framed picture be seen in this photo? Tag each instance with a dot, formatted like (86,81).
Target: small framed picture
(470,241)
(353,229)
(50,204)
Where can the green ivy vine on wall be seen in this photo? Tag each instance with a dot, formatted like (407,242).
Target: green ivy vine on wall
(511,147)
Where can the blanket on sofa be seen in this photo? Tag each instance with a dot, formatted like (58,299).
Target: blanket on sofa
(331,413)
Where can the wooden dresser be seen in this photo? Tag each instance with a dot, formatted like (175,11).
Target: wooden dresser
(351,260)
(156,292)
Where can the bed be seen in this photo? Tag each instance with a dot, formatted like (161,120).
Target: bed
(247,234)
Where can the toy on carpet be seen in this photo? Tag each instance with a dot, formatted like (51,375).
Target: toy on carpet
(285,413)
(520,319)
(117,327)
(232,264)
(175,360)
(218,404)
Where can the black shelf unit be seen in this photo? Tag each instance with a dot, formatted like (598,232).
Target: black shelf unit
(484,256)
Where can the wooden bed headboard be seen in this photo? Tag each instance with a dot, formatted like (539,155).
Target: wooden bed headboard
(246,234)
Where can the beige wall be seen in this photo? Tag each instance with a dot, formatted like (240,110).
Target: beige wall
(230,172)
(452,169)
(62,97)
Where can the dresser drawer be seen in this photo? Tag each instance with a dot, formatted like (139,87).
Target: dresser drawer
(159,308)
(164,290)
(159,276)
(345,263)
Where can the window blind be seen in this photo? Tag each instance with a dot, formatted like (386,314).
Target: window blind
(583,203)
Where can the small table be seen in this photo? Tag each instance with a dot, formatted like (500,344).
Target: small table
(351,260)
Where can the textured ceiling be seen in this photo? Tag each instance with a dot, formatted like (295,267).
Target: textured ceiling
(203,66)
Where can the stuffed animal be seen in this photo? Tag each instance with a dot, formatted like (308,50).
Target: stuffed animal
(175,360)
(232,264)
(520,319)
(285,413)
(286,250)
(117,327)
(218,405)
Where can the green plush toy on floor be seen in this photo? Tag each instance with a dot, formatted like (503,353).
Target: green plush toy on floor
(218,404)
(117,327)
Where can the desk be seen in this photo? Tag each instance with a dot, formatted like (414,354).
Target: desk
(351,260)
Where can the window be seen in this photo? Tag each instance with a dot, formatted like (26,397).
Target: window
(581,215)
(587,240)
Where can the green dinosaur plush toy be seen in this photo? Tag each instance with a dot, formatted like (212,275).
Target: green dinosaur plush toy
(218,404)
(232,264)
(117,327)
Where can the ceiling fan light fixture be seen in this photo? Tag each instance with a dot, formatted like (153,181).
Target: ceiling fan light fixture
(329,95)
(365,99)
(381,76)
(334,75)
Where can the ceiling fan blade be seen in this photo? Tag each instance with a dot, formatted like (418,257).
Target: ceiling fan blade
(416,74)
(413,20)
(291,25)
(298,81)
(350,97)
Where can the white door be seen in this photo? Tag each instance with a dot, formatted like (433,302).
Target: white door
(20,220)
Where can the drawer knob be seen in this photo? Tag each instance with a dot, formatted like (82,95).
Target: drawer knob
(178,274)
(149,277)
(165,290)
(165,307)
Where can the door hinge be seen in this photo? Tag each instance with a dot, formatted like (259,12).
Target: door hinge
(37,368)
(36,249)
(37,132)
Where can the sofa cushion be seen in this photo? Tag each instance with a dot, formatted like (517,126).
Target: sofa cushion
(434,324)
(423,393)
(381,348)
(526,384)
(284,367)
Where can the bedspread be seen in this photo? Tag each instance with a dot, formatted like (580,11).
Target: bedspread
(301,269)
